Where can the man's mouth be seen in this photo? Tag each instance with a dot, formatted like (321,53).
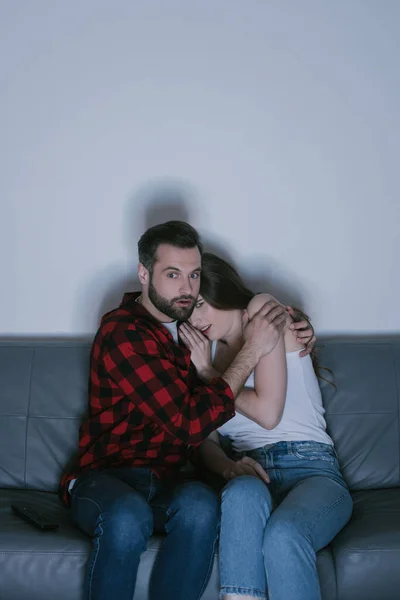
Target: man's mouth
(184,302)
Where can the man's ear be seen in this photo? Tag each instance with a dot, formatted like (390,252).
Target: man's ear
(143,274)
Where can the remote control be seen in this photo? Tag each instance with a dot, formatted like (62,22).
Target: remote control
(31,515)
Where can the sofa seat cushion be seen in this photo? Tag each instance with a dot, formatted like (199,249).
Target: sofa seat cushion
(46,565)
(36,564)
(367,551)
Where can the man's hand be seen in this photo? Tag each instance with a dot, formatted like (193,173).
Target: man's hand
(245,466)
(262,332)
(302,330)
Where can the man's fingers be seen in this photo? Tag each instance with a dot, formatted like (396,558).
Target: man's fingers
(300,325)
(261,473)
(267,307)
(255,466)
(248,470)
(278,312)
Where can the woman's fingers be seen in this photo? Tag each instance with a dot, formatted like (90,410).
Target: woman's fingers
(188,333)
(198,335)
(194,334)
(184,338)
(309,347)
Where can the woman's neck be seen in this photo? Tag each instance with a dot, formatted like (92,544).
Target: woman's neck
(234,336)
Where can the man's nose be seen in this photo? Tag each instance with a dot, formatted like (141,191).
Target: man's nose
(186,287)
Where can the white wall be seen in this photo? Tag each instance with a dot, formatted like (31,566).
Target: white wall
(273,126)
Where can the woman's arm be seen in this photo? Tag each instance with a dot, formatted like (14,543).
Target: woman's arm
(215,459)
(266,402)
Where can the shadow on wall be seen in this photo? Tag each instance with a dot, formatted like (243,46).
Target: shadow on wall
(262,274)
(157,202)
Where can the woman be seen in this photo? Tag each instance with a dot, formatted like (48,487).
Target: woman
(285,498)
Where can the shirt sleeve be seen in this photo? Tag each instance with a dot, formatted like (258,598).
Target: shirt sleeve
(138,365)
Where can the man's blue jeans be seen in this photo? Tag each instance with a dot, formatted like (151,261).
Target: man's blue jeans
(270,534)
(119,508)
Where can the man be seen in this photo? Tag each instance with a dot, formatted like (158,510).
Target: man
(146,406)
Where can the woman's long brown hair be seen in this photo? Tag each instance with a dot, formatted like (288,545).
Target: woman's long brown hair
(222,287)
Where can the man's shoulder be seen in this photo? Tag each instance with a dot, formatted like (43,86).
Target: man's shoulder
(121,320)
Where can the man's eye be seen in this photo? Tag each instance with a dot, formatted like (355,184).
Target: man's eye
(194,275)
(172,275)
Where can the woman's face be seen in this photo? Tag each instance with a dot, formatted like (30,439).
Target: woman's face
(212,322)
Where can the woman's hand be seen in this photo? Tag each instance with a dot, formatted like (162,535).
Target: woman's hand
(200,350)
(302,330)
(245,466)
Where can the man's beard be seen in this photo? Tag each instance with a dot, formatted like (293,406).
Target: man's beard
(177,313)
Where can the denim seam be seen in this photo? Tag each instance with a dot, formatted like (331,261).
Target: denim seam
(92,566)
(326,511)
(89,499)
(210,565)
(150,492)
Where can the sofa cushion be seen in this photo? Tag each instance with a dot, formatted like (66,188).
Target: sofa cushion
(367,551)
(36,565)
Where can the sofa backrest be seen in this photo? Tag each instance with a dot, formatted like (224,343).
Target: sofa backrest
(43,397)
(362,413)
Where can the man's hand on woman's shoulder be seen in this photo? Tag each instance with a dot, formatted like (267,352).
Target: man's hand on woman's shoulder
(263,322)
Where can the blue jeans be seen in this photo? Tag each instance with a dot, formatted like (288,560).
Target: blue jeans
(119,508)
(270,534)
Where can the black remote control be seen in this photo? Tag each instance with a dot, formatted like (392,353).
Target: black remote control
(31,515)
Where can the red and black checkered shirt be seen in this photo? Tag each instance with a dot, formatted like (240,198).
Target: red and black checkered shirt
(146,402)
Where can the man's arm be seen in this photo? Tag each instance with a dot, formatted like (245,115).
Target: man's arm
(138,366)
(153,384)
(215,459)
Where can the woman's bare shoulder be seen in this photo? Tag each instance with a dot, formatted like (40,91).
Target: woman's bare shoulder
(257,302)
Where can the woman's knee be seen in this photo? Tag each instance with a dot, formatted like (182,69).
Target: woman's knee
(284,536)
(246,493)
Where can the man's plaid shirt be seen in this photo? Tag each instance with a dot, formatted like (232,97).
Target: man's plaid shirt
(146,403)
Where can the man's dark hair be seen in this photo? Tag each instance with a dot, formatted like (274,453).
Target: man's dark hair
(175,233)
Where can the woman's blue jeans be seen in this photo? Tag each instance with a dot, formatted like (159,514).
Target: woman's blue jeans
(120,508)
(270,534)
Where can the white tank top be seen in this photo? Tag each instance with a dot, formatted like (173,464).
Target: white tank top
(303,414)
